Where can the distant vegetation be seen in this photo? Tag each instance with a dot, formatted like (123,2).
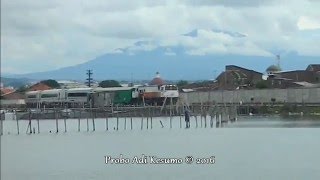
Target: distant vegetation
(22,89)
(109,83)
(262,84)
(51,83)
(15,82)
(182,83)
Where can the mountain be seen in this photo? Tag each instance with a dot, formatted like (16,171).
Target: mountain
(15,82)
(174,67)
(144,58)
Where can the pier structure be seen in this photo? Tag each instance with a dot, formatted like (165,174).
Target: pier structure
(202,115)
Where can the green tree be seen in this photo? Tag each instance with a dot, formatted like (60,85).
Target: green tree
(109,83)
(51,83)
(262,84)
(182,83)
(22,89)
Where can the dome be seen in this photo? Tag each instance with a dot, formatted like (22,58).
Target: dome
(273,69)
(157,80)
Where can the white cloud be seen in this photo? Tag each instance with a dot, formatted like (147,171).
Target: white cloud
(50,34)
(209,42)
(305,23)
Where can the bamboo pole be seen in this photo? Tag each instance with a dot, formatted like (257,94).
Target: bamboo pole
(65,124)
(141,123)
(92,117)
(106,120)
(1,121)
(93,124)
(147,123)
(87,123)
(18,129)
(117,121)
(196,117)
(150,117)
(205,121)
(29,125)
(38,123)
(57,126)
(38,119)
(180,122)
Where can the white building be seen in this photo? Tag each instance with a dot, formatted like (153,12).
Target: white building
(65,84)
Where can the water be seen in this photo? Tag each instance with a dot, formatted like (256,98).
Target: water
(266,152)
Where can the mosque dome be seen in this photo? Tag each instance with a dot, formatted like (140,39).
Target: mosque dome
(273,69)
(157,80)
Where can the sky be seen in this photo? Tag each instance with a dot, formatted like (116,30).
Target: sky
(41,35)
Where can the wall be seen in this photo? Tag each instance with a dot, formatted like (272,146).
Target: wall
(303,95)
(12,102)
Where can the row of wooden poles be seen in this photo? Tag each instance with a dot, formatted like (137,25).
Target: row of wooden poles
(148,119)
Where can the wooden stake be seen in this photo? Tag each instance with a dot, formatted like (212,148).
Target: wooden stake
(196,121)
(18,129)
(205,121)
(161,123)
(87,123)
(93,124)
(141,123)
(65,124)
(78,120)
(170,107)
(180,121)
(92,117)
(117,123)
(106,120)
(38,126)
(1,121)
(147,123)
(57,127)
(117,119)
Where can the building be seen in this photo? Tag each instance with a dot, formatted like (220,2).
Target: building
(235,77)
(273,70)
(12,99)
(39,87)
(298,78)
(114,96)
(5,91)
(65,84)
(314,67)
(157,81)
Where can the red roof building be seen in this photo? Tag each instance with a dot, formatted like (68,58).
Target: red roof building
(39,87)
(157,80)
(5,91)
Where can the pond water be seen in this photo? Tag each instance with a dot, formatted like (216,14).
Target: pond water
(250,148)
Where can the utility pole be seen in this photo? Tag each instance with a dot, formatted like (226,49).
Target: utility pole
(89,79)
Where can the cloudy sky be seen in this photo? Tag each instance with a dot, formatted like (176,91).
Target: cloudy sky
(40,35)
